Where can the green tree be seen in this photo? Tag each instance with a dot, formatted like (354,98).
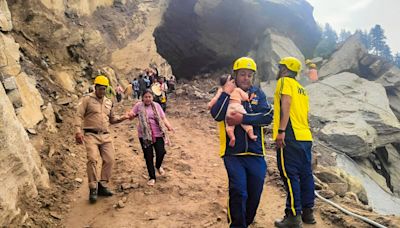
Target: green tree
(344,35)
(328,42)
(365,39)
(396,59)
(378,38)
(387,53)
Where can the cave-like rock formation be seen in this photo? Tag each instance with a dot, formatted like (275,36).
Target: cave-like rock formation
(205,35)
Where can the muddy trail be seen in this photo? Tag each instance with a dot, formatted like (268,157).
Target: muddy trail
(194,191)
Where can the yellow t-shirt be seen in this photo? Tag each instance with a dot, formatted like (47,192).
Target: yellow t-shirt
(298,108)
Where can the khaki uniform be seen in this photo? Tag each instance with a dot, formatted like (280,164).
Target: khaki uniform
(94,116)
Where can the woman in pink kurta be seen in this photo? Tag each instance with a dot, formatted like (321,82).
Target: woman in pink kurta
(152,132)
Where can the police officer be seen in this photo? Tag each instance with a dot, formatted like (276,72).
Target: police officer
(244,162)
(294,140)
(94,115)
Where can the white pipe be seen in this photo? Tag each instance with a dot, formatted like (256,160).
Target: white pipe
(367,220)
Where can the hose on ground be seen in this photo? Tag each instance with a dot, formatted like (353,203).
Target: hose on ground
(367,220)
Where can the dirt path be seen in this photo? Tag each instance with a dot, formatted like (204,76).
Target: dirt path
(192,194)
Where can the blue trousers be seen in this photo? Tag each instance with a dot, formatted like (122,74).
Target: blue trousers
(246,180)
(294,164)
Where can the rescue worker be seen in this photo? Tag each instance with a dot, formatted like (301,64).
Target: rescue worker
(312,71)
(293,138)
(94,115)
(244,162)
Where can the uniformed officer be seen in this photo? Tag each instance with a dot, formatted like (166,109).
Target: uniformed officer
(94,115)
(294,141)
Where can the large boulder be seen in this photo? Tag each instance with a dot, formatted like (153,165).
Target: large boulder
(21,173)
(270,49)
(389,158)
(345,59)
(9,56)
(353,57)
(5,17)
(30,113)
(65,80)
(352,114)
(215,33)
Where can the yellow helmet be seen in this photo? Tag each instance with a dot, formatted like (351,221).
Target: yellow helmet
(101,80)
(313,65)
(308,61)
(291,63)
(245,63)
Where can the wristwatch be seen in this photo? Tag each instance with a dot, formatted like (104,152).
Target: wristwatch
(280,131)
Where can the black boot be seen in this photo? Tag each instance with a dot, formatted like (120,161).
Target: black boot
(92,195)
(289,221)
(308,216)
(103,191)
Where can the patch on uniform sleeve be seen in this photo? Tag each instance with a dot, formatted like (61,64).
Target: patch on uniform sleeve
(253,99)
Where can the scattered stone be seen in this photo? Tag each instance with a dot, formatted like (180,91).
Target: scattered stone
(64,101)
(328,194)
(79,180)
(135,185)
(15,98)
(339,188)
(125,186)
(9,84)
(124,199)
(150,215)
(120,204)
(52,150)
(31,131)
(55,215)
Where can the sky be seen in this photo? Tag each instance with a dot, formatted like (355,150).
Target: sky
(361,14)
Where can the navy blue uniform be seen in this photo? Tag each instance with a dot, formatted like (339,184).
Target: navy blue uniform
(244,162)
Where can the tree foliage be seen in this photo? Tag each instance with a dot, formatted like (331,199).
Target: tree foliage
(374,41)
(396,59)
(328,42)
(344,34)
(378,41)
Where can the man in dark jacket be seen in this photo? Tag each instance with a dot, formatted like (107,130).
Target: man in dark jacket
(244,161)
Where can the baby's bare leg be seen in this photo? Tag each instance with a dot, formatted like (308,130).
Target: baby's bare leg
(250,132)
(230,130)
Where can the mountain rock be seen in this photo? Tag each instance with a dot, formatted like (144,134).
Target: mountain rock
(22,172)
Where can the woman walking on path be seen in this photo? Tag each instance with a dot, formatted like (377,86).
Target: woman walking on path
(152,132)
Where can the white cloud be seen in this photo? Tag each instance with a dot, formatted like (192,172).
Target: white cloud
(359,5)
(361,14)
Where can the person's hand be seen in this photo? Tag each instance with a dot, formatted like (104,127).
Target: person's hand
(79,138)
(280,140)
(235,118)
(126,116)
(209,106)
(130,115)
(229,85)
(171,129)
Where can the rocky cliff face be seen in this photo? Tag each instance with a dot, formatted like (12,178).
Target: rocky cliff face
(22,173)
(49,53)
(205,35)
